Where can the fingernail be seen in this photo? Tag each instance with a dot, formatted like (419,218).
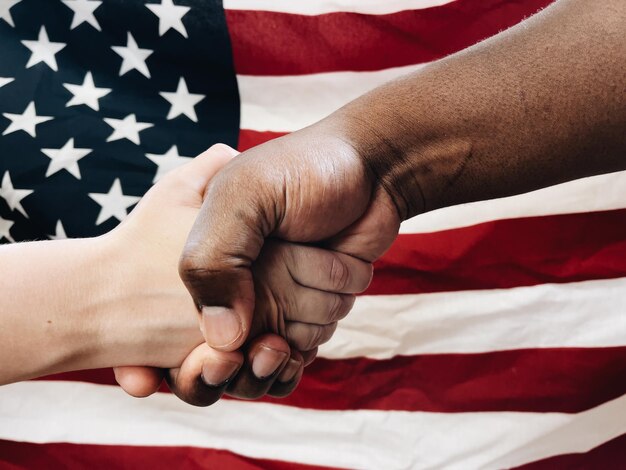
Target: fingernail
(218,372)
(222,326)
(266,361)
(290,370)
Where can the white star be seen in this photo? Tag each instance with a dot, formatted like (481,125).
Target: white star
(65,158)
(27,121)
(127,128)
(13,196)
(5,229)
(114,203)
(4,80)
(43,50)
(83,12)
(167,162)
(87,93)
(182,101)
(5,14)
(59,232)
(133,57)
(170,16)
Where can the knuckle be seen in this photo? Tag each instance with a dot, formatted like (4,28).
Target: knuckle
(346,302)
(309,356)
(327,333)
(207,285)
(335,311)
(313,338)
(365,279)
(190,265)
(339,274)
(303,336)
(196,267)
(317,335)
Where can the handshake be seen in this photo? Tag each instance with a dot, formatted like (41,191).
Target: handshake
(272,245)
(272,260)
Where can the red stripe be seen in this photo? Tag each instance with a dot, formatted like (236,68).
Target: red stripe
(20,455)
(610,455)
(249,139)
(534,380)
(66,456)
(505,254)
(270,43)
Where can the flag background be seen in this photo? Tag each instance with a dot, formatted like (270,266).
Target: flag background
(492,336)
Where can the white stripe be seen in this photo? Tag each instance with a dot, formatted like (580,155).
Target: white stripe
(319,7)
(598,193)
(581,314)
(290,102)
(98,414)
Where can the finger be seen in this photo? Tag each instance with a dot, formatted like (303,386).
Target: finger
(309,356)
(266,357)
(307,336)
(317,307)
(197,174)
(289,378)
(204,375)
(226,237)
(327,270)
(139,382)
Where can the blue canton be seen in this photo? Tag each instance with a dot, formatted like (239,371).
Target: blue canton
(98,100)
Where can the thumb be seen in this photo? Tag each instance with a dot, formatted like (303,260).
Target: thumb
(238,212)
(196,174)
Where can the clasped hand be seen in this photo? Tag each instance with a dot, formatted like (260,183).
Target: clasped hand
(265,301)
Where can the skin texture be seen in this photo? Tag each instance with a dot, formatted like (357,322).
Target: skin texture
(536,105)
(322,197)
(117,300)
(108,300)
(540,104)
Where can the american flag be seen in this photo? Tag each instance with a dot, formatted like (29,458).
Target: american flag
(493,335)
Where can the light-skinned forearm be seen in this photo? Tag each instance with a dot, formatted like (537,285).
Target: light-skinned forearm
(76,304)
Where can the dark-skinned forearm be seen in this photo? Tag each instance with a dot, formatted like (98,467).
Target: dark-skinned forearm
(539,104)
